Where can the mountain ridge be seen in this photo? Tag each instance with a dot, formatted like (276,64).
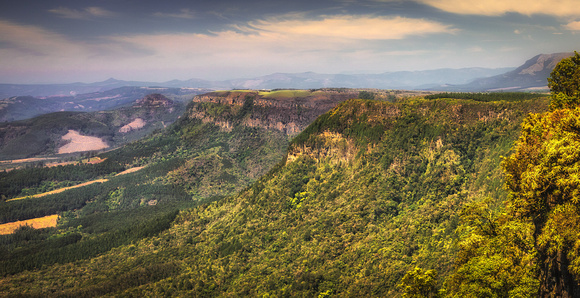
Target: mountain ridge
(304,80)
(530,76)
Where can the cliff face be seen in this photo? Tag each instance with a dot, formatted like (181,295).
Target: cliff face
(288,111)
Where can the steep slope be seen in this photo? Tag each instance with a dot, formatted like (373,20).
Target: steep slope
(367,192)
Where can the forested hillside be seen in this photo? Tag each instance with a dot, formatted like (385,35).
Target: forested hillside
(368,192)
(198,159)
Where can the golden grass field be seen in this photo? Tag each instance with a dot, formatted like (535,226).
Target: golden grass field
(37,223)
(50,220)
(60,190)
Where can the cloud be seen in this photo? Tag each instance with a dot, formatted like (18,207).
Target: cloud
(31,39)
(291,44)
(88,12)
(558,8)
(573,26)
(183,14)
(353,27)
(289,37)
(26,46)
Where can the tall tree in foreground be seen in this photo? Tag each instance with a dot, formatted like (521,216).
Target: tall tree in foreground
(543,177)
(534,238)
(564,82)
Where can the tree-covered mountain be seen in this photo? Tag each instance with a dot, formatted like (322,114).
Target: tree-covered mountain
(529,245)
(366,193)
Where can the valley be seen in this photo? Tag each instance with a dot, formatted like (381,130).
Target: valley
(318,192)
(270,193)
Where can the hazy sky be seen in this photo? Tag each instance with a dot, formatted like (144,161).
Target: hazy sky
(81,40)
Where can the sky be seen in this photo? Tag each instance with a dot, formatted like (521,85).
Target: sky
(65,41)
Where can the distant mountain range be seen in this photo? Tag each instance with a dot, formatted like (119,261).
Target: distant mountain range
(25,107)
(531,75)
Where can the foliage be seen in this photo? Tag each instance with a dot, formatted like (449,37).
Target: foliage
(366,95)
(487,96)
(542,179)
(529,247)
(496,256)
(14,182)
(20,254)
(368,192)
(419,284)
(564,82)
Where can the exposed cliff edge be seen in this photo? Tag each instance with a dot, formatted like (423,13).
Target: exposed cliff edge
(288,111)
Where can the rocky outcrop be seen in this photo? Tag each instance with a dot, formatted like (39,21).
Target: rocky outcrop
(134,125)
(289,111)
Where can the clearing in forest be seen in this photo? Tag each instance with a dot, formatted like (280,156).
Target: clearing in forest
(59,190)
(80,143)
(48,221)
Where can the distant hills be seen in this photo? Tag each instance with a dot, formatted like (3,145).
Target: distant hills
(410,80)
(24,107)
(43,135)
(531,75)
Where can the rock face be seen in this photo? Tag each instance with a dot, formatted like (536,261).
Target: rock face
(289,111)
(134,125)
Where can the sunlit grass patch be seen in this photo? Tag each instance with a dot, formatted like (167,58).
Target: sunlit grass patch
(285,93)
(48,221)
(61,189)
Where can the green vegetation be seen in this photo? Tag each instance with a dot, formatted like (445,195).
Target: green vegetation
(366,203)
(193,162)
(489,96)
(564,81)
(528,246)
(20,182)
(372,199)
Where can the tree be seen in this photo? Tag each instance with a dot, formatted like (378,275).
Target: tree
(366,95)
(531,246)
(543,180)
(419,284)
(564,82)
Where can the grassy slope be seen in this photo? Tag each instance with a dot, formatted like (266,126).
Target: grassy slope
(367,192)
